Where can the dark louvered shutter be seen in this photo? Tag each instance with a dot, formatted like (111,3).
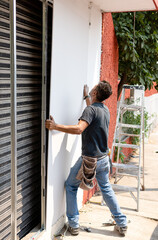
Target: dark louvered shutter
(29,77)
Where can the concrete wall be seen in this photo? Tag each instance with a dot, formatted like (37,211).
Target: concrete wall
(76,55)
(151,103)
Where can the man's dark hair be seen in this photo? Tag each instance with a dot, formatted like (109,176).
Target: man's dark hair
(104,90)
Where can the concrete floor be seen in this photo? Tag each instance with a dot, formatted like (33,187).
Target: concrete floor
(143,224)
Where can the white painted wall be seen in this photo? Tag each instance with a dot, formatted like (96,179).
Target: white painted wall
(151,103)
(94,46)
(76,55)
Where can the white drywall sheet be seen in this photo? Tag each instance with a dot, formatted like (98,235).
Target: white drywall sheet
(75,62)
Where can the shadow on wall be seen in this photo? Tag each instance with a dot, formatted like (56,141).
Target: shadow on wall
(60,167)
(154,236)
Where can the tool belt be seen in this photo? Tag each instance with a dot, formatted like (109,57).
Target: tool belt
(87,172)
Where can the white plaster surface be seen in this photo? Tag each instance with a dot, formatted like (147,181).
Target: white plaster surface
(151,106)
(76,50)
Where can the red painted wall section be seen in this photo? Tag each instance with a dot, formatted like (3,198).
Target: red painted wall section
(109,72)
(109,67)
(147,92)
(151,91)
(88,194)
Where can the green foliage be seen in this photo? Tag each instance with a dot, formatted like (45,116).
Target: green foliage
(131,118)
(121,154)
(138,47)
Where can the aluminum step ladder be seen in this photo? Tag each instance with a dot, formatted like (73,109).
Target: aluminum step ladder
(135,106)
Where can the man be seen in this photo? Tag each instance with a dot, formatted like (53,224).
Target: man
(94,126)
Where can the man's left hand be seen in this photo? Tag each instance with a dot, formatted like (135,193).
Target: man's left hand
(50,124)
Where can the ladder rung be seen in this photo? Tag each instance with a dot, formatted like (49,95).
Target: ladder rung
(127,175)
(123,188)
(131,107)
(130,134)
(124,166)
(129,125)
(126,145)
(138,87)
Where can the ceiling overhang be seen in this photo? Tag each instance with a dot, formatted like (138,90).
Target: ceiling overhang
(126,5)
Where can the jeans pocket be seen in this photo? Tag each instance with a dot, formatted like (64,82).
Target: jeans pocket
(103,165)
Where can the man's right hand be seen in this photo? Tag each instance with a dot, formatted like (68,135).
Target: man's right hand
(86,93)
(86,90)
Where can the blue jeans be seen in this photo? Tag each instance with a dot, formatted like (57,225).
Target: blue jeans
(102,176)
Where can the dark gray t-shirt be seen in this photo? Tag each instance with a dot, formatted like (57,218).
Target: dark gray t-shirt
(95,136)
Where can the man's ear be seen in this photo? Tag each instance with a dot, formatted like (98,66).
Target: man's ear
(95,92)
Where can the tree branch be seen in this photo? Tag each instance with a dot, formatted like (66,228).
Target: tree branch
(121,83)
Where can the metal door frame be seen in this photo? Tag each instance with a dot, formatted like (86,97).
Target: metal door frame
(13,120)
(46,3)
(43,130)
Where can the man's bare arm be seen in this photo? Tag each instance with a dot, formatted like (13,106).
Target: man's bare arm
(72,129)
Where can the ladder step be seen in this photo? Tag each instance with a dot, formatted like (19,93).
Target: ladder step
(131,107)
(128,125)
(124,166)
(126,145)
(123,188)
(138,87)
(130,134)
(127,175)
